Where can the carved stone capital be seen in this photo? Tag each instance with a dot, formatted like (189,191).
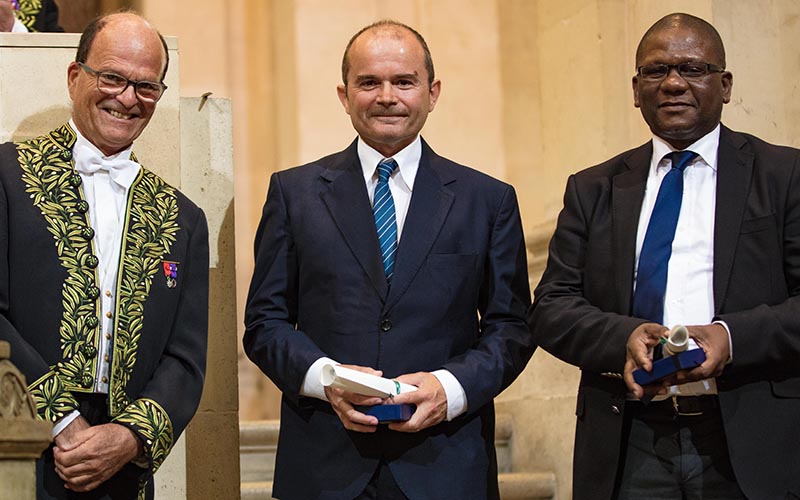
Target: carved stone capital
(22,434)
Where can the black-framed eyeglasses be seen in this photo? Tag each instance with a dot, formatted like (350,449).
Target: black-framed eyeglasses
(687,70)
(114,84)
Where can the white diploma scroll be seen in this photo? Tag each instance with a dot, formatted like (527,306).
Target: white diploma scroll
(362,383)
(677,341)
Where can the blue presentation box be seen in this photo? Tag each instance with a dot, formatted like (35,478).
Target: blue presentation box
(389,413)
(665,367)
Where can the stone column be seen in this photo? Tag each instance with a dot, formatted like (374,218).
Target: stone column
(23,437)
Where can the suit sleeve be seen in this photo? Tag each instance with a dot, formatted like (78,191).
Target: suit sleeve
(53,401)
(166,405)
(767,336)
(271,339)
(505,345)
(563,320)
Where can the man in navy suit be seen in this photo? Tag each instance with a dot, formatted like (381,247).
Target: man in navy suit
(728,428)
(444,312)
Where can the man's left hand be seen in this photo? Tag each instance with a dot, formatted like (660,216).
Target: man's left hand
(713,339)
(429,398)
(102,451)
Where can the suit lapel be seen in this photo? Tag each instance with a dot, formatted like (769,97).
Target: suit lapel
(345,195)
(734,171)
(430,204)
(627,196)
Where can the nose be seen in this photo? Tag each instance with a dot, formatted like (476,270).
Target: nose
(128,96)
(386,94)
(674,81)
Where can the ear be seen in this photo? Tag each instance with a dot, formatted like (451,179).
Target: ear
(635,85)
(73,72)
(436,87)
(727,86)
(341,90)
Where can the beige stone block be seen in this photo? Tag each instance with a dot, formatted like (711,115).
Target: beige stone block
(212,439)
(18,480)
(544,433)
(212,450)
(46,104)
(207,178)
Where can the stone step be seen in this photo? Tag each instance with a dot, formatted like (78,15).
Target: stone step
(258,440)
(527,485)
(513,486)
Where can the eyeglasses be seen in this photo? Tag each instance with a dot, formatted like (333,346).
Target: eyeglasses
(687,70)
(114,84)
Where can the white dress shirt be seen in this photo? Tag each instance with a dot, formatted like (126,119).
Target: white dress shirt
(689,298)
(18,27)
(401,185)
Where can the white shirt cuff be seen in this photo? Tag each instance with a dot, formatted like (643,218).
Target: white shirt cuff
(730,340)
(312,383)
(18,27)
(456,398)
(64,422)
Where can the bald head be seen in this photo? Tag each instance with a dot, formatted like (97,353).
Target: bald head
(125,20)
(394,29)
(678,21)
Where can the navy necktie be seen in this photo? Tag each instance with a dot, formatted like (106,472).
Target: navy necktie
(385,222)
(651,275)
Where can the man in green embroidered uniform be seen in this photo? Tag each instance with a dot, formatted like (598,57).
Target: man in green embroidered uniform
(103,275)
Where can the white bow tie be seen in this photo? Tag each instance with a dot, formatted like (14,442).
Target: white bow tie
(123,172)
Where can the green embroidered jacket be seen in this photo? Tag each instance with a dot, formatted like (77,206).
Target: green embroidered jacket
(50,300)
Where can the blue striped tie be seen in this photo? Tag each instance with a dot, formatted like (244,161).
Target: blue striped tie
(651,276)
(383,210)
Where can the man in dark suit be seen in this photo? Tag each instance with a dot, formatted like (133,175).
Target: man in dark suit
(103,276)
(728,428)
(435,298)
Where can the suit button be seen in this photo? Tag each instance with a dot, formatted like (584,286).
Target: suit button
(91,322)
(386,325)
(89,351)
(615,410)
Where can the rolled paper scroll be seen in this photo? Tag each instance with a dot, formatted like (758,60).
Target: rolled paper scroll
(362,383)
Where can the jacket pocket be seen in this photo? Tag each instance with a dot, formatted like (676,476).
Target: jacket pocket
(758,224)
(789,388)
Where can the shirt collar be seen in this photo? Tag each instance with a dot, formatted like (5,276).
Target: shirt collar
(407,161)
(706,147)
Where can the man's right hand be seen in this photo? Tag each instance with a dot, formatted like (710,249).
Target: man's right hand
(639,354)
(343,403)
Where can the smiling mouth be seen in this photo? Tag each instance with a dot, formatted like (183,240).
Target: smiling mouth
(675,105)
(388,117)
(117,114)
